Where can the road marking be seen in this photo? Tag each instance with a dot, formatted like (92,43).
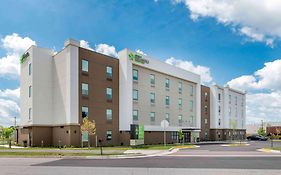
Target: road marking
(215,155)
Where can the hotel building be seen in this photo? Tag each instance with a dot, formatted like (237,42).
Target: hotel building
(59,89)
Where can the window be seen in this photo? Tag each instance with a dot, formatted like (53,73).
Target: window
(180,102)
(109,93)
(219,97)
(191,90)
(167,83)
(108,135)
(29,91)
(167,101)
(29,69)
(229,111)
(180,120)
(152,97)
(167,117)
(135,95)
(191,105)
(152,116)
(180,86)
(191,121)
(85,111)
(109,72)
(152,79)
(174,135)
(219,121)
(135,115)
(206,108)
(135,75)
(206,121)
(219,110)
(206,96)
(109,114)
(229,99)
(85,65)
(29,113)
(85,89)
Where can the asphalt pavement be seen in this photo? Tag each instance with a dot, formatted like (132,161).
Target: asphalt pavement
(208,159)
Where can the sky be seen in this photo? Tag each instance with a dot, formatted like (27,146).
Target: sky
(233,42)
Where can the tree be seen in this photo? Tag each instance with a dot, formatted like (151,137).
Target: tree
(7,134)
(89,127)
(261,132)
(180,135)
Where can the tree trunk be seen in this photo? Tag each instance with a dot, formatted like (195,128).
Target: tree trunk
(89,146)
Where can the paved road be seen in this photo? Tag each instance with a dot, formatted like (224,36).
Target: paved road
(204,160)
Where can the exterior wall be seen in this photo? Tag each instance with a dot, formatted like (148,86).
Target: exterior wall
(65,86)
(96,100)
(126,90)
(144,106)
(205,113)
(273,130)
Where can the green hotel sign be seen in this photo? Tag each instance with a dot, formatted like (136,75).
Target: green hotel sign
(137,58)
(141,132)
(24,57)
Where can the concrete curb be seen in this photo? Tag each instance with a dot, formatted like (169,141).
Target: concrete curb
(268,150)
(167,152)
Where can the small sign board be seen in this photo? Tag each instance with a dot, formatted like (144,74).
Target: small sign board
(85,136)
(137,135)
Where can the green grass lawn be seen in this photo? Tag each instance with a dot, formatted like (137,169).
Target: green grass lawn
(276,148)
(49,154)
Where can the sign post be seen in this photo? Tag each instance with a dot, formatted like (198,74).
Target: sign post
(164,125)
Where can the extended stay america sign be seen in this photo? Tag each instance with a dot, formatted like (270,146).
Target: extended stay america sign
(137,58)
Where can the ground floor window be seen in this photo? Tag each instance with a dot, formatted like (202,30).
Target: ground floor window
(109,135)
(174,135)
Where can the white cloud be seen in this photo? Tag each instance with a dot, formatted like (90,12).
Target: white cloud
(106,49)
(188,65)
(9,106)
(269,77)
(85,44)
(264,106)
(264,97)
(259,21)
(14,45)
(140,52)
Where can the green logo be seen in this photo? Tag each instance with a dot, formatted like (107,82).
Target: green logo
(137,58)
(141,132)
(23,57)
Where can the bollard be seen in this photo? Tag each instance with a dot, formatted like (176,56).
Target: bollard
(42,143)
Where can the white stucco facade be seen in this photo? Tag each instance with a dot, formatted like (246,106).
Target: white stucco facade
(161,71)
(54,87)
(228,112)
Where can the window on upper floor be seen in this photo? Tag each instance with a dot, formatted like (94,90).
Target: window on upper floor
(190,90)
(30,113)
(206,96)
(152,116)
(29,91)
(219,96)
(85,111)
(229,99)
(152,79)
(135,115)
(206,121)
(135,95)
(167,83)
(29,69)
(85,89)
(180,120)
(135,75)
(180,102)
(206,108)
(167,100)
(152,98)
(180,87)
(219,122)
(109,93)
(109,114)
(109,72)
(85,65)
(190,105)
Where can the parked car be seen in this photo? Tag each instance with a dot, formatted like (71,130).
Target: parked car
(257,137)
